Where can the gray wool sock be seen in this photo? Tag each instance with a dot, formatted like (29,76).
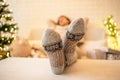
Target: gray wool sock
(74,34)
(52,44)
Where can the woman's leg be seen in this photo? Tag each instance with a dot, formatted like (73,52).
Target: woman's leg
(74,34)
(52,44)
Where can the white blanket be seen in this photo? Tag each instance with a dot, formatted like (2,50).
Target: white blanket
(39,69)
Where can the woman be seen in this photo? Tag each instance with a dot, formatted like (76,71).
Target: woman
(62,51)
(61,25)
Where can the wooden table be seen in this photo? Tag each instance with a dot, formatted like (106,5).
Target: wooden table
(39,69)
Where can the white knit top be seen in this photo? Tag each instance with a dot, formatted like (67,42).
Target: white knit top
(61,30)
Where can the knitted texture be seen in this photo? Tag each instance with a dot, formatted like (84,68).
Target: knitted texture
(50,37)
(52,44)
(57,61)
(76,26)
(69,51)
(74,34)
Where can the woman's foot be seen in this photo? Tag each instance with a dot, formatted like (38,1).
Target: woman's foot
(74,34)
(52,44)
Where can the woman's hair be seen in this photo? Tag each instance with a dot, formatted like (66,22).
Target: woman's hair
(58,22)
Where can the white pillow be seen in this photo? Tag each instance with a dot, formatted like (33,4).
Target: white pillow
(88,48)
(90,45)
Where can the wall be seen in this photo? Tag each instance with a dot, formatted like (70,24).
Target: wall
(35,13)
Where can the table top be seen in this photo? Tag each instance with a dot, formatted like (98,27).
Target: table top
(39,69)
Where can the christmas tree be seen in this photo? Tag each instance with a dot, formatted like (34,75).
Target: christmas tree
(112,33)
(8,29)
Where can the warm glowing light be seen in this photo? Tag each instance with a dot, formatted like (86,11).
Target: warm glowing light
(110,25)
(111,21)
(4,49)
(0,48)
(15,26)
(8,54)
(115,24)
(115,31)
(6,29)
(107,26)
(11,30)
(2,38)
(112,38)
(8,41)
(109,33)
(111,29)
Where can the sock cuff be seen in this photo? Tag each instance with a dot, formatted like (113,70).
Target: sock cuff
(53,47)
(74,37)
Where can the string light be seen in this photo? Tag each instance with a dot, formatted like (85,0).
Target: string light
(111,21)
(15,26)
(9,41)
(0,48)
(12,29)
(112,32)
(111,29)
(4,49)
(8,29)
(8,54)
(115,24)
(2,39)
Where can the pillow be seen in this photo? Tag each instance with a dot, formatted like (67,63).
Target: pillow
(37,49)
(88,48)
(95,44)
(20,48)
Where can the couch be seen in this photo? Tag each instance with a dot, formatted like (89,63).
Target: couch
(93,45)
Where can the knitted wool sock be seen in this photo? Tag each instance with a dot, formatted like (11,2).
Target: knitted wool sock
(52,44)
(74,34)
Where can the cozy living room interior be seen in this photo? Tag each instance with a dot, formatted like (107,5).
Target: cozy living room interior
(23,32)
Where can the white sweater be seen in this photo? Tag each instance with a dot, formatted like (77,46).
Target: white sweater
(62,31)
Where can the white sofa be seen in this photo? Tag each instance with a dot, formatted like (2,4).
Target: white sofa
(95,44)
